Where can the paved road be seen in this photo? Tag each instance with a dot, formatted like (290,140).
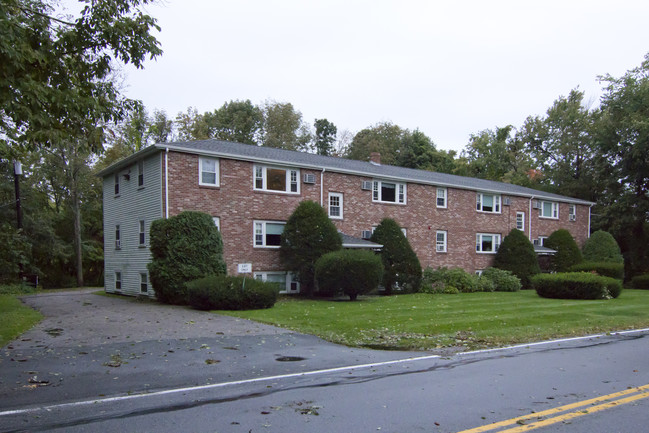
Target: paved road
(165,384)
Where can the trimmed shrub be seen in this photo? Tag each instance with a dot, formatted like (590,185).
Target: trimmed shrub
(605,269)
(401,267)
(503,281)
(516,254)
(640,282)
(221,292)
(567,252)
(576,285)
(439,280)
(602,247)
(184,247)
(352,272)
(308,234)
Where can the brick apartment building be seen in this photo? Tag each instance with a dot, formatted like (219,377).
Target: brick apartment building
(251,191)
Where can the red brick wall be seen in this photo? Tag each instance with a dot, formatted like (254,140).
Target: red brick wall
(238,205)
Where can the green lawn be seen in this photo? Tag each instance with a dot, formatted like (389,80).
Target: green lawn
(471,320)
(15,318)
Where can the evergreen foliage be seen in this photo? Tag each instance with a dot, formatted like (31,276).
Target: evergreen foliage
(308,234)
(503,281)
(567,252)
(184,247)
(401,267)
(640,282)
(605,269)
(516,254)
(221,292)
(352,272)
(576,285)
(602,247)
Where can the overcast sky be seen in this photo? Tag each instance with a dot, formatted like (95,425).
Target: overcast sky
(449,68)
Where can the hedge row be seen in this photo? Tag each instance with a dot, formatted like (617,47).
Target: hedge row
(221,292)
(640,282)
(605,269)
(576,285)
(457,280)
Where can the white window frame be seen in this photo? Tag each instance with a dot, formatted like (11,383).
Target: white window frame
(521,220)
(495,242)
(140,173)
(144,282)
(216,171)
(572,212)
(554,210)
(116,184)
(259,229)
(441,247)
(260,179)
(497,202)
(442,194)
(542,240)
(118,237)
(217,222)
(118,279)
(289,283)
(339,196)
(400,192)
(142,233)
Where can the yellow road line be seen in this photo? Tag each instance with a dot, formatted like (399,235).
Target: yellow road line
(593,401)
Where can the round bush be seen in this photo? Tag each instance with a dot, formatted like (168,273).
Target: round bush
(602,247)
(640,282)
(567,252)
(221,292)
(605,269)
(503,281)
(352,272)
(183,248)
(516,254)
(576,285)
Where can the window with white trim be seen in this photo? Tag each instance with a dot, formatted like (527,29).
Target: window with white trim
(118,281)
(335,205)
(520,221)
(144,282)
(487,243)
(286,281)
(140,173)
(117,184)
(404,231)
(542,240)
(440,241)
(572,212)
(217,222)
(479,272)
(118,237)
(142,239)
(208,171)
(388,192)
(268,234)
(441,198)
(488,202)
(549,209)
(276,179)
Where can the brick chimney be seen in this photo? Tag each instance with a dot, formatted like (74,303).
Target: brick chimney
(375,158)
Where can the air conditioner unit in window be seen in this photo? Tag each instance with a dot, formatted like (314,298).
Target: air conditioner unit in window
(366,234)
(367,185)
(536,204)
(309,178)
(572,217)
(507,201)
(118,244)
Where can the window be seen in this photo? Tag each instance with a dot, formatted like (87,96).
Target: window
(479,272)
(441,198)
(549,209)
(488,202)
(276,179)
(144,283)
(208,171)
(520,221)
(140,173)
(487,242)
(541,241)
(217,222)
(142,233)
(335,205)
(440,246)
(404,231)
(118,238)
(286,282)
(118,281)
(117,184)
(389,192)
(572,212)
(268,234)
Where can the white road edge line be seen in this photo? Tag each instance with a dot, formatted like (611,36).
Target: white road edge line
(290,375)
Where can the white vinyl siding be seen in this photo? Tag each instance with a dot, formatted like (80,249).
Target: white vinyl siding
(440,241)
(208,171)
(488,202)
(335,205)
(268,234)
(388,192)
(549,209)
(276,179)
(487,243)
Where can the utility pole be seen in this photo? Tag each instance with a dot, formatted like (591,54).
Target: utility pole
(18,171)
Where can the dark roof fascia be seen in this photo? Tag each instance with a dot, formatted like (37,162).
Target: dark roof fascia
(129,160)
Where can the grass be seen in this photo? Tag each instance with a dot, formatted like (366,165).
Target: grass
(16,318)
(467,320)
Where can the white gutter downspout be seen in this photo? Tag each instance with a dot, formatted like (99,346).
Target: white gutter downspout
(529,223)
(166,184)
(322,187)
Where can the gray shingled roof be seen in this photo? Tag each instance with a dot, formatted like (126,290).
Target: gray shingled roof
(354,242)
(328,163)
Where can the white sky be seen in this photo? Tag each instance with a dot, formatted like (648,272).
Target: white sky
(449,68)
